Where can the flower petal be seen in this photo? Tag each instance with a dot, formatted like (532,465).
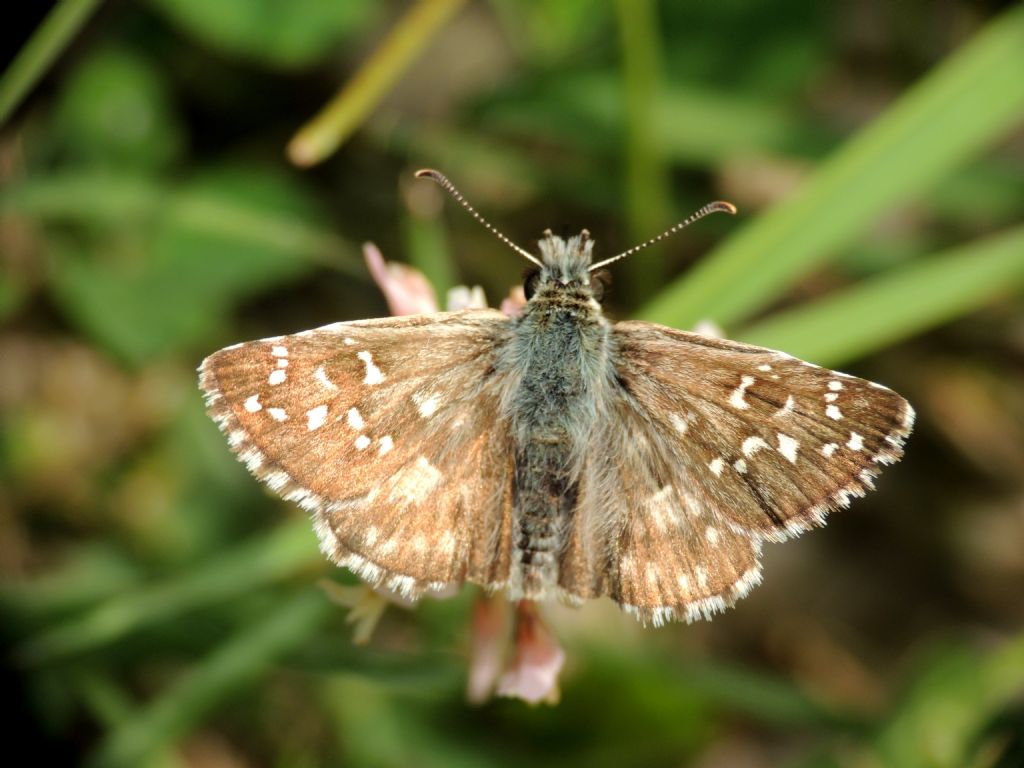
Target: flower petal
(533,674)
(487,646)
(406,290)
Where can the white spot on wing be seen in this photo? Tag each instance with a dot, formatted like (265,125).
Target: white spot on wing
(788,446)
(660,508)
(253,404)
(856,442)
(651,572)
(416,482)
(279,351)
(626,564)
(833,412)
(277,414)
(680,423)
(277,376)
(428,407)
(362,443)
(386,444)
(448,543)
(764,367)
(716,466)
(828,449)
(835,386)
(373,373)
(321,375)
(711,534)
(740,466)
(355,419)
(316,417)
(752,445)
(736,398)
(702,576)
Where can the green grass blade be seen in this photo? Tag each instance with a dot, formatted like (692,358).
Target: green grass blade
(343,115)
(648,204)
(892,307)
(234,665)
(87,576)
(35,58)
(956,111)
(285,551)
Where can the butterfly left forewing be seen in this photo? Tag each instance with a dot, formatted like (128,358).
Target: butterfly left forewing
(388,433)
(776,442)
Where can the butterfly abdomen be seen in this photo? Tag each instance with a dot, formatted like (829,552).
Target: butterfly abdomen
(553,412)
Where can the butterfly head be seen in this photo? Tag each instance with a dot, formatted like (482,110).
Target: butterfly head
(565,262)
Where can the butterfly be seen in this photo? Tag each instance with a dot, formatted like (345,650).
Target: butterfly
(553,455)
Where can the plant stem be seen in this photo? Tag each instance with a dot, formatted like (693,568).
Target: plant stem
(42,49)
(329,129)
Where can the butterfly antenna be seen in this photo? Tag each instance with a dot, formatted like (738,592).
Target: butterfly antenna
(716,207)
(442,180)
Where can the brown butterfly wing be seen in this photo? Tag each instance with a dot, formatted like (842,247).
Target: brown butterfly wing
(388,432)
(709,447)
(643,534)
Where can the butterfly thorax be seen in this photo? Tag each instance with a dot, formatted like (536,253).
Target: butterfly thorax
(560,350)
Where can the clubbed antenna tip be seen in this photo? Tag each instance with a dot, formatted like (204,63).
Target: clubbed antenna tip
(447,186)
(718,206)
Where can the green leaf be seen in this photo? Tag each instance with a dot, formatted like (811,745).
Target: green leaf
(216,240)
(89,574)
(263,560)
(115,110)
(233,666)
(547,33)
(961,107)
(94,197)
(689,123)
(894,306)
(284,33)
(957,694)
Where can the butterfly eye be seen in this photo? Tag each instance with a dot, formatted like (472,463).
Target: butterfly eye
(530,282)
(599,282)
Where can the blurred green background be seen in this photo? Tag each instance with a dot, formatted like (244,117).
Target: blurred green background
(177,175)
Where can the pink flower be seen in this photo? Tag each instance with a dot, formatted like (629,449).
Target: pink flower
(406,290)
(487,646)
(533,673)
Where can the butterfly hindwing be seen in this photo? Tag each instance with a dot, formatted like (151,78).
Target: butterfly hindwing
(388,432)
(668,555)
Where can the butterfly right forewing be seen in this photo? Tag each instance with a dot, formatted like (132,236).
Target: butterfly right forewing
(388,431)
